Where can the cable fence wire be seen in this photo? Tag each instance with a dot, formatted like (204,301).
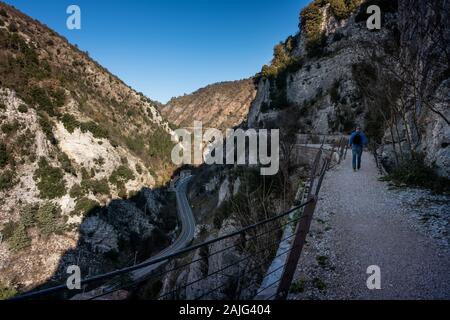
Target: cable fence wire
(258,255)
(253,229)
(256,245)
(239,245)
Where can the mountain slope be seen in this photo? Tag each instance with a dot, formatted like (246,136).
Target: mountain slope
(336,74)
(73,138)
(326,79)
(221,105)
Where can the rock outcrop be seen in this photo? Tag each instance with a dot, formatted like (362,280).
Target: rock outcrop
(221,105)
(319,74)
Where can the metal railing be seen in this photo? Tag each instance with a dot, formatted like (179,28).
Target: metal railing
(252,248)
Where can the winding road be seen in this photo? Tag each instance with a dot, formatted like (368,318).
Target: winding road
(185,238)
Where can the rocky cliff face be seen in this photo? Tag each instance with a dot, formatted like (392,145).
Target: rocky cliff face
(425,95)
(73,138)
(221,105)
(335,74)
(317,81)
(224,200)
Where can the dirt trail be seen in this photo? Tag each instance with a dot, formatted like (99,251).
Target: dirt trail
(361,222)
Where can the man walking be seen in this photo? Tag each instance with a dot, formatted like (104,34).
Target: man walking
(358,141)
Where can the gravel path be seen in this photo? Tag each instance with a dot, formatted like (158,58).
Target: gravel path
(361,221)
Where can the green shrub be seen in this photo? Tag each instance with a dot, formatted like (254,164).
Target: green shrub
(121,176)
(85,175)
(283,62)
(97,187)
(70,123)
(8,229)
(319,284)
(66,164)
(27,143)
(50,180)
(96,130)
(135,143)
(3,13)
(6,292)
(159,145)
(415,173)
(48,218)
(40,98)
(297,287)
(77,192)
(322,261)
(10,128)
(311,22)
(47,127)
(28,215)
(6,180)
(339,9)
(85,206)
(58,97)
(23,108)
(48,100)
(342,9)
(4,156)
(101,187)
(20,239)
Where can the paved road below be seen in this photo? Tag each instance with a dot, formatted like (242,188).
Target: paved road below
(187,231)
(184,239)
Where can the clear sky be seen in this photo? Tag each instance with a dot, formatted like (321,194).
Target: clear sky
(166,48)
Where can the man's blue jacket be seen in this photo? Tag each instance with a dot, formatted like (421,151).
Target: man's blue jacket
(364,139)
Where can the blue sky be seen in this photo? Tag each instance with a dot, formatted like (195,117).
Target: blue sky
(166,48)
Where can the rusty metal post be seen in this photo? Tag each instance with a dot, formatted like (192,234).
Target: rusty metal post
(303,227)
(294,255)
(301,232)
(322,176)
